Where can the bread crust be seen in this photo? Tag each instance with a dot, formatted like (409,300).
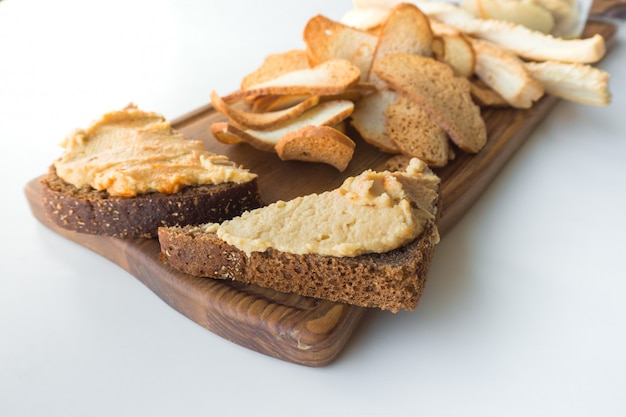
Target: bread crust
(391,281)
(87,210)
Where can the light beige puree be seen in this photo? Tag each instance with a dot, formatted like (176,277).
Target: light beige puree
(130,152)
(368,213)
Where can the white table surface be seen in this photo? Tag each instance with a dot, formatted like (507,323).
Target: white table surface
(524,311)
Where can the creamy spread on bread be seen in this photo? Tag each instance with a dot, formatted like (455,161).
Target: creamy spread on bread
(130,152)
(374,212)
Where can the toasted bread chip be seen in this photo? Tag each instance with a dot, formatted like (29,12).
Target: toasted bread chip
(276,102)
(441,29)
(526,43)
(276,65)
(358,90)
(406,30)
(280,102)
(456,51)
(368,118)
(367,19)
(261,121)
(505,73)
(485,96)
(324,114)
(327,39)
(415,133)
(323,144)
(341,126)
(575,82)
(328,78)
(443,96)
(227,133)
(525,13)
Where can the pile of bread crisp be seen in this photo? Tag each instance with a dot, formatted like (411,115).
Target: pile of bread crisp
(410,78)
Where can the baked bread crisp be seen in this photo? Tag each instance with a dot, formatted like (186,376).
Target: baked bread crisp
(415,133)
(392,279)
(445,97)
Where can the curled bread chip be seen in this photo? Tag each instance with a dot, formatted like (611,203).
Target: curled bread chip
(275,65)
(322,144)
(456,51)
(229,134)
(407,30)
(366,18)
(415,133)
(369,119)
(324,114)
(280,102)
(327,39)
(526,43)
(505,73)
(441,29)
(575,82)
(485,96)
(354,92)
(329,77)
(276,102)
(265,120)
(443,96)
(525,13)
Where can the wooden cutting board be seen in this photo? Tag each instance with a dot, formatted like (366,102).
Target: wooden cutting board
(289,327)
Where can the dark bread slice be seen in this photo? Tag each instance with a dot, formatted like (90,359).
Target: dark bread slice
(87,210)
(391,281)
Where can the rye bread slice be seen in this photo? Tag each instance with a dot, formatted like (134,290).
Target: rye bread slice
(87,210)
(392,281)
(445,97)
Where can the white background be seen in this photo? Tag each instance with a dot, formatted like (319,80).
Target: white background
(524,311)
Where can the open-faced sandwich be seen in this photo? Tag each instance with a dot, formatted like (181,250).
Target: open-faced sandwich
(367,243)
(130,172)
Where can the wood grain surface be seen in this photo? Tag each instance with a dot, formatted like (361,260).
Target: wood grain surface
(608,8)
(292,328)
